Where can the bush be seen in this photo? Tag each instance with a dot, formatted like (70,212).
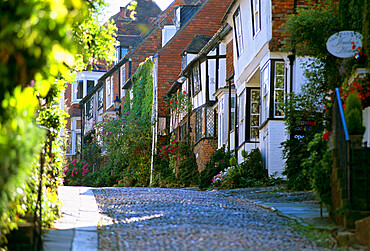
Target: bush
(252,167)
(75,173)
(188,172)
(250,173)
(218,161)
(353,114)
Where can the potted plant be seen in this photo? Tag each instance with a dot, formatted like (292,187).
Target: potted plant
(353,116)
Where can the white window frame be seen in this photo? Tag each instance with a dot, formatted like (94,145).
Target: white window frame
(109,92)
(265,93)
(123,79)
(256,16)
(238,32)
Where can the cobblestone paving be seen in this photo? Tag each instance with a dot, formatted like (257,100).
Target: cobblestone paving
(178,219)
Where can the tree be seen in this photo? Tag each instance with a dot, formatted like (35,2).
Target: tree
(39,43)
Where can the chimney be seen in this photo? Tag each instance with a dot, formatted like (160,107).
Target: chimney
(122,12)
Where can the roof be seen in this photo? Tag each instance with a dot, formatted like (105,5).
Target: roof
(228,10)
(197,44)
(127,41)
(225,29)
(186,12)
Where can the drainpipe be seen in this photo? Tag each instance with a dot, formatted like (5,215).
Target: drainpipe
(291,58)
(129,67)
(154,112)
(229,120)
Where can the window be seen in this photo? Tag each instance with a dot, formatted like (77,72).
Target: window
(69,143)
(238,32)
(168,31)
(78,124)
(210,123)
(241,116)
(80,89)
(78,142)
(124,51)
(198,125)
(109,92)
(232,114)
(265,93)
(123,78)
(196,79)
(90,85)
(254,113)
(100,98)
(183,131)
(90,107)
(279,89)
(256,16)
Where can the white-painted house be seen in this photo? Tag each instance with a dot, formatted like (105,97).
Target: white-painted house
(263,75)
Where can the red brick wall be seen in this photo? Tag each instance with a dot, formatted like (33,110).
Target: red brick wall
(204,148)
(280,10)
(207,22)
(229,59)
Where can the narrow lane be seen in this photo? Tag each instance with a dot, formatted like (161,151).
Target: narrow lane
(178,219)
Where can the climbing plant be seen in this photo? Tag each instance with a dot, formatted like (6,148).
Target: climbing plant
(127,139)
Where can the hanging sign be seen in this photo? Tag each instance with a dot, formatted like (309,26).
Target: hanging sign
(344,44)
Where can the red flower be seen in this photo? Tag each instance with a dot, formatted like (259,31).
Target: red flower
(184,92)
(326,135)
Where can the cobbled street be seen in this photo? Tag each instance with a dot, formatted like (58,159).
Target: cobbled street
(179,219)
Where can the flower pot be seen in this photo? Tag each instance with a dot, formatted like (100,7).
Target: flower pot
(356,140)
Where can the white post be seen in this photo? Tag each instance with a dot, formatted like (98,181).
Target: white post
(154,113)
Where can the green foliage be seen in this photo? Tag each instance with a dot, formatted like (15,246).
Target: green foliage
(91,152)
(218,161)
(311,27)
(321,163)
(127,139)
(249,173)
(366,31)
(353,114)
(252,167)
(300,108)
(351,14)
(19,145)
(188,172)
(143,89)
(38,44)
(179,103)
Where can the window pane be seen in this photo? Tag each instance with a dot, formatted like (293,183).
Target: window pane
(80,86)
(78,124)
(78,142)
(90,85)
(279,96)
(279,109)
(279,69)
(254,120)
(254,132)
(100,98)
(279,82)
(255,108)
(210,123)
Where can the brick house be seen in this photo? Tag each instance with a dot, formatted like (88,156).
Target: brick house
(87,82)
(165,39)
